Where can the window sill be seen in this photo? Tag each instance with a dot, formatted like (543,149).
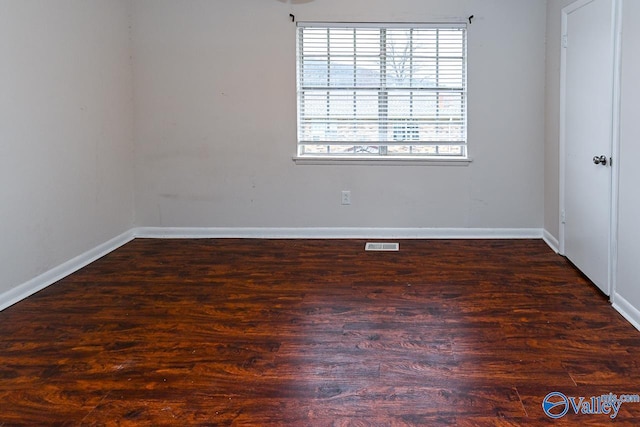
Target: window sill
(381,161)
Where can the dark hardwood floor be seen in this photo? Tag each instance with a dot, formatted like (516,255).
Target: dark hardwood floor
(316,333)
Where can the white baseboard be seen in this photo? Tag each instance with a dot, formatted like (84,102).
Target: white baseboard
(48,278)
(337,233)
(627,310)
(551,241)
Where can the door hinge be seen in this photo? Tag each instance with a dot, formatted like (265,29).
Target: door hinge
(565,40)
(563,217)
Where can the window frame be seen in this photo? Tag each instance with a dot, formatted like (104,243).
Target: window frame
(393,128)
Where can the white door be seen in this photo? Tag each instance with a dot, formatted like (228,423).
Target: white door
(586,137)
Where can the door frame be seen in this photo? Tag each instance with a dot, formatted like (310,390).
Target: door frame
(615,135)
(615,151)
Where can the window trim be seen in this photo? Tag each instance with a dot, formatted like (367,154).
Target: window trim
(396,159)
(382,161)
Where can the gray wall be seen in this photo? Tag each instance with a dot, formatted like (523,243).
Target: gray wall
(216,111)
(66,164)
(628,269)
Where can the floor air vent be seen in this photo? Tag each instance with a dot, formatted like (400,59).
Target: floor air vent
(374,246)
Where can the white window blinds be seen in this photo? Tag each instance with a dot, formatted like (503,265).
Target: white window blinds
(382,90)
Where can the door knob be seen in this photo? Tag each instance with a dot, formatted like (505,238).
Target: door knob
(600,160)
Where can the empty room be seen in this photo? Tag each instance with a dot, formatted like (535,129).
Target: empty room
(319,212)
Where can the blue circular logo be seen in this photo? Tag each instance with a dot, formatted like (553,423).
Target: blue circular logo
(555,405)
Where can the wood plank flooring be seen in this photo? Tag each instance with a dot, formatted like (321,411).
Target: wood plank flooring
(315,333)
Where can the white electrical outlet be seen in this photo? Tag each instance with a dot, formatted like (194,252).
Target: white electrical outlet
(346,197)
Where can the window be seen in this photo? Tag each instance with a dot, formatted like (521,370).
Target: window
(382,91)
